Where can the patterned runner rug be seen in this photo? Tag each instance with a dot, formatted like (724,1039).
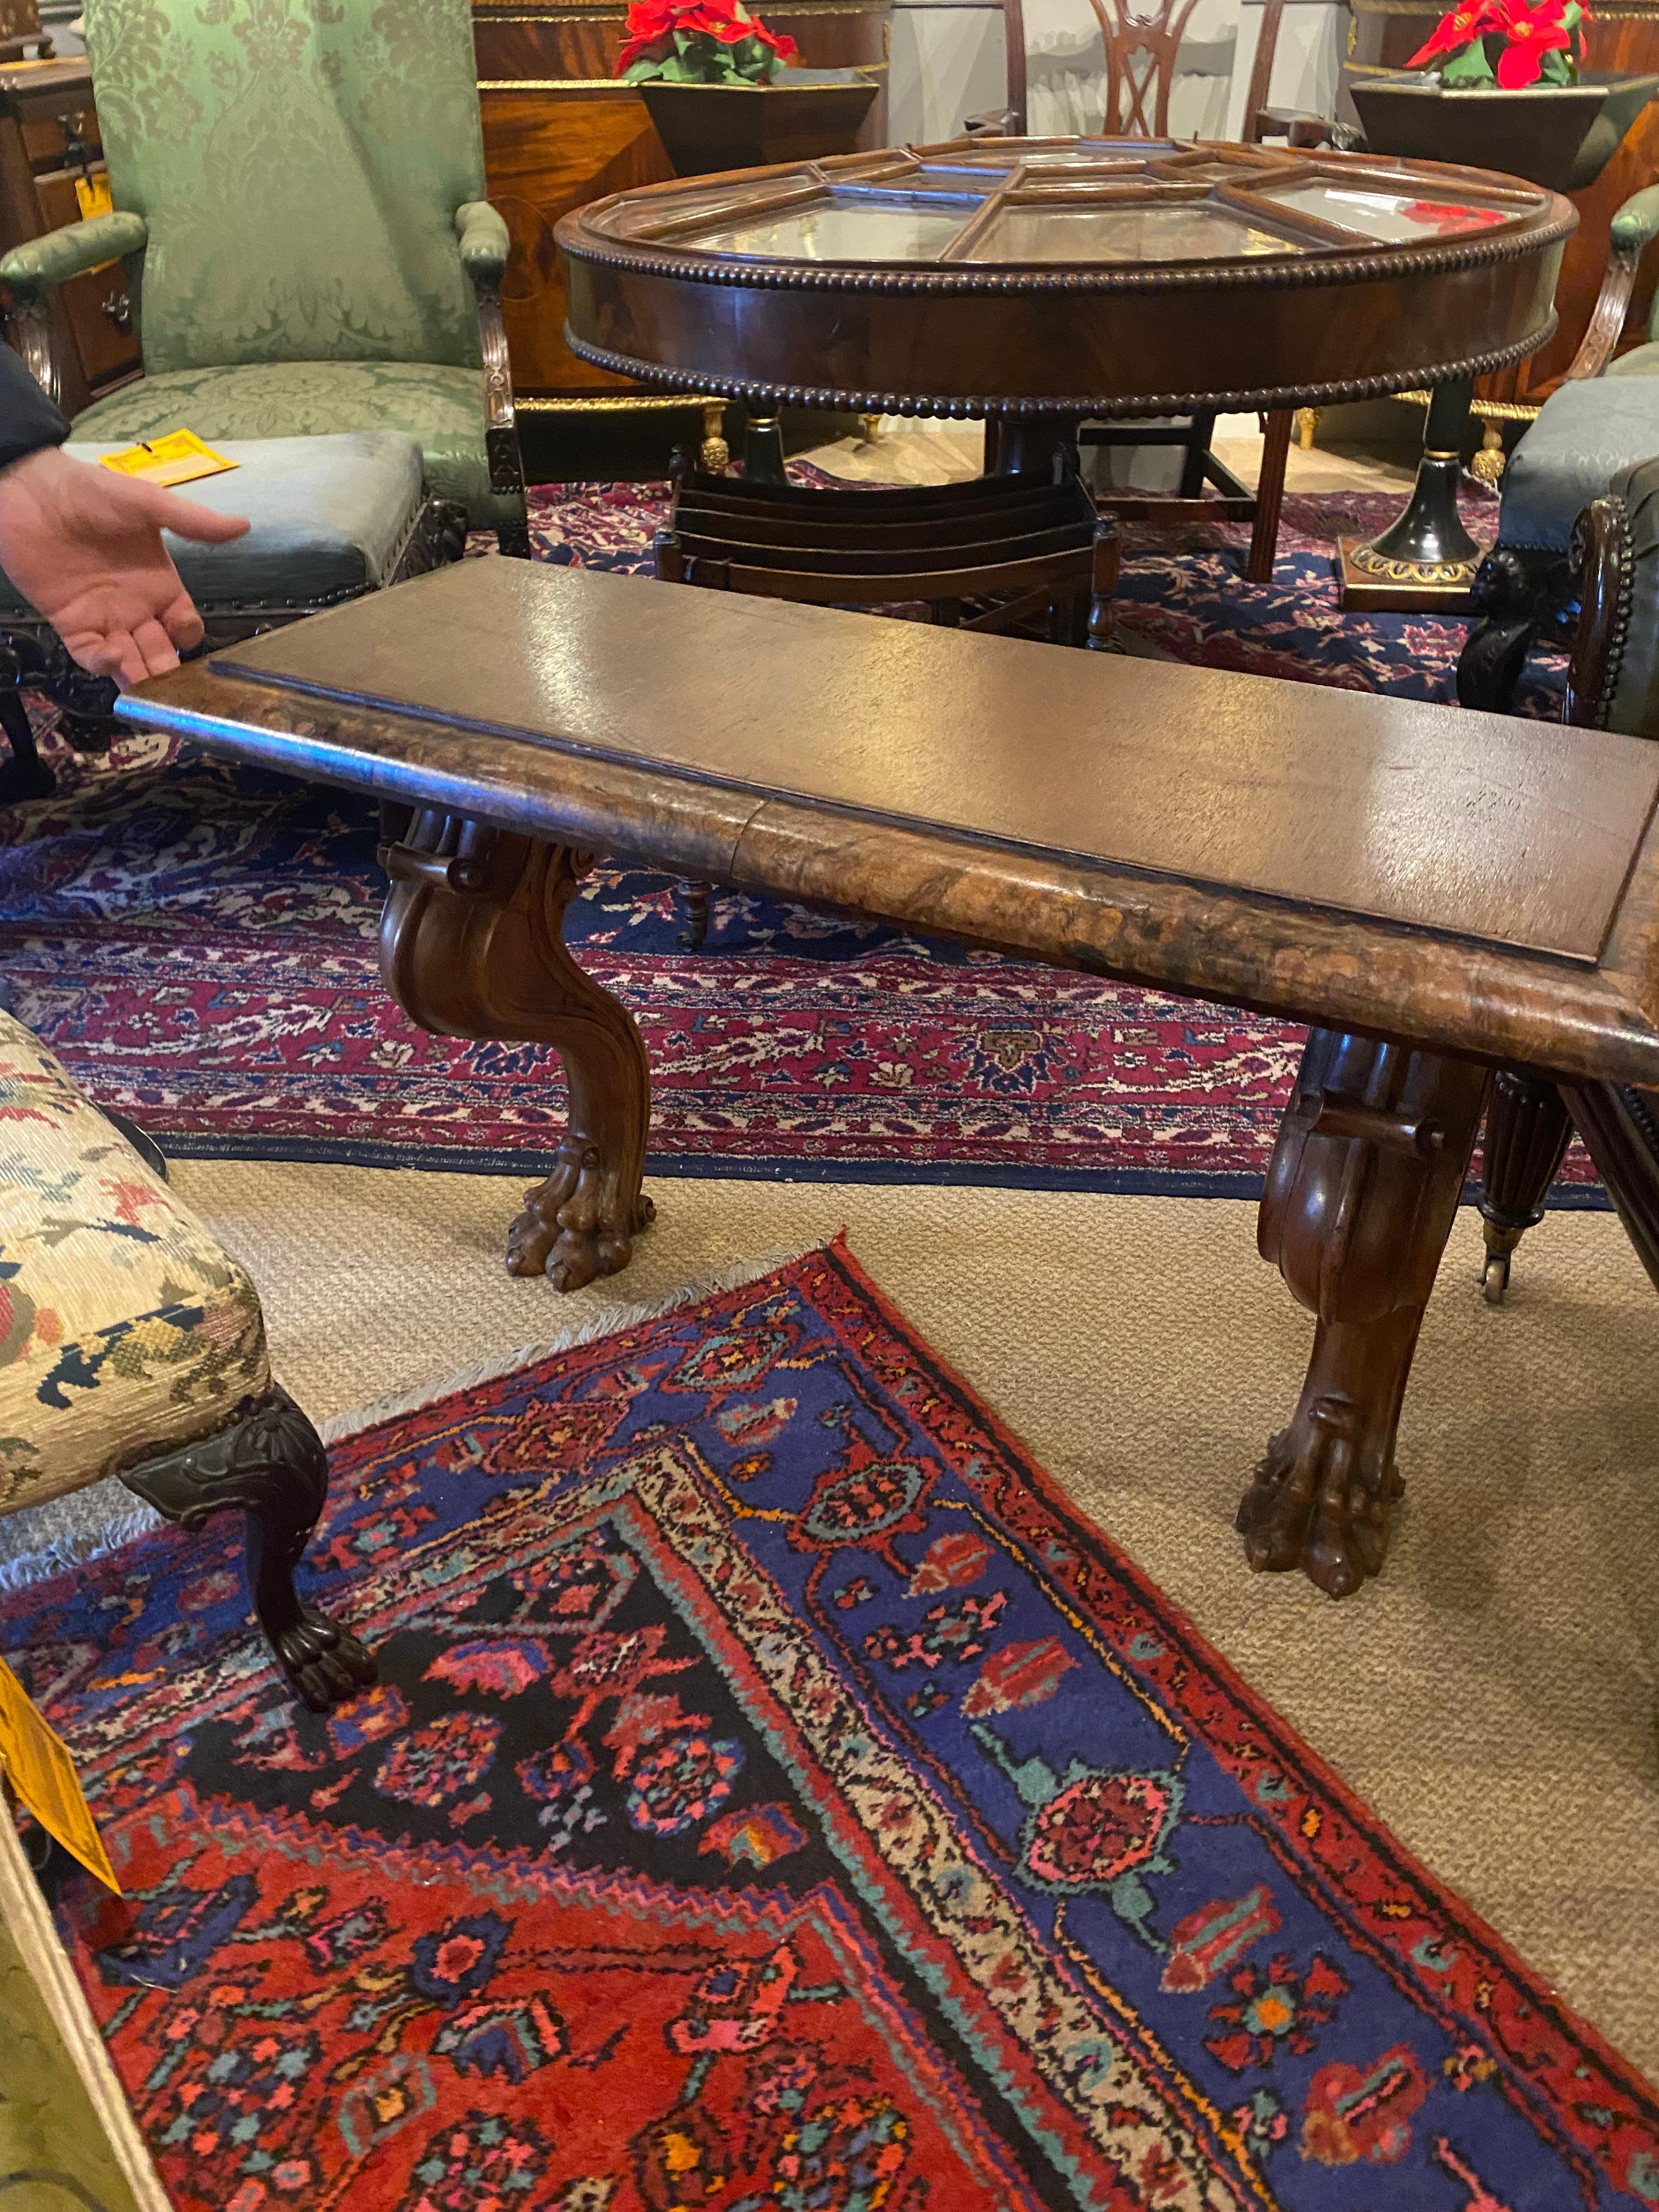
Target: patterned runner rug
(775,1796)
(197,942)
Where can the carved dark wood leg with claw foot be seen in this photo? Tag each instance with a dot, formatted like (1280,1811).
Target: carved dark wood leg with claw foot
(472,945)
(270,1465)
(1361,1194)
(1526,1132)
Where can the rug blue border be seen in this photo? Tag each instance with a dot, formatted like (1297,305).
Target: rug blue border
(460,1159)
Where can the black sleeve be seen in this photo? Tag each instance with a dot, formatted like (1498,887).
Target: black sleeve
(28,420)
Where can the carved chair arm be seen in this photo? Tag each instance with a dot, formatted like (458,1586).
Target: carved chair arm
(484,248)
(32,268)
(1600,558)
(1633,229)
(485,241)
(1301,128)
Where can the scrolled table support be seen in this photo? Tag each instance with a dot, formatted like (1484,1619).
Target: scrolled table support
(1360,1197)
(1425,559)
(472,945)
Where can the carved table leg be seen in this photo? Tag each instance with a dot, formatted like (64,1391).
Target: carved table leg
(693,931)
(1361,1192)
(1620,1130)
(271,1466)
(472,945)
(1526,1132)
(25,776)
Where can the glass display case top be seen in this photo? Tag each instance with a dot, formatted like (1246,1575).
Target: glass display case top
(1068,204)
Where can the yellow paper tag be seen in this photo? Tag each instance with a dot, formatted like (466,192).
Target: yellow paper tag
(179,458)
(43,1775)
(93,197)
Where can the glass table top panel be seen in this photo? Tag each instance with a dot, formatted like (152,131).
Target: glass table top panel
(1189,230)
(1391,218)
(715,201)
(865,229)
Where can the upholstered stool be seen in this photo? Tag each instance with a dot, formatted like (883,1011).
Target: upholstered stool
(1587,432)
(131,1344)
(332,517)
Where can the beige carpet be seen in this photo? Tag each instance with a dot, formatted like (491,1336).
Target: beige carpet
(1494,1695)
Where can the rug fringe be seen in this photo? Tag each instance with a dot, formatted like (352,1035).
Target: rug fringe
(66,1538)
(396,1403)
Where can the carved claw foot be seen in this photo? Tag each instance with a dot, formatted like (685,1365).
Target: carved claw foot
(1361,1192)
(1313,1506)
(568,1231)
(324,1661)
(269,1465)
(472,944)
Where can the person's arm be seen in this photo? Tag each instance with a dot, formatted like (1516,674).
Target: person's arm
(84,545)
(28,420)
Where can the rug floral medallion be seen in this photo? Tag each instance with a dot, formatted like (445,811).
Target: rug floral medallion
(775,1799)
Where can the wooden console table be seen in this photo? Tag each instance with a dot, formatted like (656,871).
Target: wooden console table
(1438,892)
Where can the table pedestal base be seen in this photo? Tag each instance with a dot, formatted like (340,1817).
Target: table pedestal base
(1425,561)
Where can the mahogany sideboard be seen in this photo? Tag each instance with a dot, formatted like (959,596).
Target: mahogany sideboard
(1622,36)
(560,130)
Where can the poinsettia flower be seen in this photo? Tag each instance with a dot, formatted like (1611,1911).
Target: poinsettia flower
(643,49)
(1456,30)
(1449,217)
(655,29)
(1532,32)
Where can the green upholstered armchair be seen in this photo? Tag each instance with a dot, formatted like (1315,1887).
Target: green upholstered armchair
(298,190)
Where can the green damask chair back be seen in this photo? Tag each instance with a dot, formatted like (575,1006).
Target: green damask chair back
(299,164)
(298,190)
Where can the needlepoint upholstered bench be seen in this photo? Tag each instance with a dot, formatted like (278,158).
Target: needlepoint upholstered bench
(132,1344)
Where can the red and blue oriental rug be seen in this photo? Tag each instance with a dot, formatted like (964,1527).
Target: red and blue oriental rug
(196,942)
(775,1799)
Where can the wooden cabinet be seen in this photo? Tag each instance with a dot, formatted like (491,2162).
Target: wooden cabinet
(1618,37)
(560,130)
(48,138)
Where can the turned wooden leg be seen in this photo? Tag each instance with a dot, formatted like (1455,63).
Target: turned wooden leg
(271,1466)
(693,931)
(1269,498)
(25,776)
(472,944)
(1361,1192)
(1100,632)
(1526,1132)
(1620,1130)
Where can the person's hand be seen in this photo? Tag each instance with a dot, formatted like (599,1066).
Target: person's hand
(84,546)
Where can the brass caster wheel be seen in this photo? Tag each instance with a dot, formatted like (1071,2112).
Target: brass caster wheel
(1495,1277)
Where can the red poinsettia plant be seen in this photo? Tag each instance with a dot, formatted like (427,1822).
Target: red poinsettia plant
(699,42)
(1506,42)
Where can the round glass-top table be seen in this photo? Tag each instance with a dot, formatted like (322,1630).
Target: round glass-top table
(1042,280)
